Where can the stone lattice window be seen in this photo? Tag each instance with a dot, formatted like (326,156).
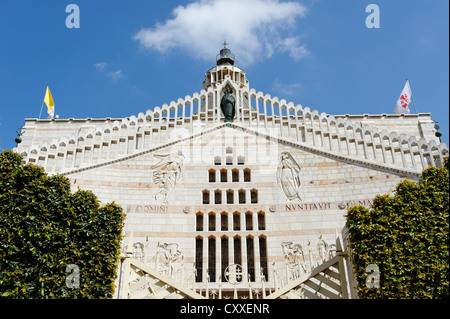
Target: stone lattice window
(241,193)
(250,258)
(247,175)
(235,176)
(230,196)
(261,221)
(241,249)
(263,257)
(199,222)
(218,197)
(212,259)
(223,175)
(237,252)
(224,221)
(211,222)
(225,261)
(236,221)
(199,259)
(248,221)
(212,176)
(254,196)
(205,195)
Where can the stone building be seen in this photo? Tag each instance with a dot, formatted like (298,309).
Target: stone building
(201,194)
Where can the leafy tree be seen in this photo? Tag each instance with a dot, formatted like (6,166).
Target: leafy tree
(54,243)
(406,236)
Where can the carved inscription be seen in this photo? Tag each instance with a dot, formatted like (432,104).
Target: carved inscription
(362,202)
(150,209)
(327,205)
(307,206)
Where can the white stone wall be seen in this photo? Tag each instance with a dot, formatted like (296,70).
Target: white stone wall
(328,186)
(342,160)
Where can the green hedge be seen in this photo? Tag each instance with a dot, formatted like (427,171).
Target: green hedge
(406,236)
(45,228)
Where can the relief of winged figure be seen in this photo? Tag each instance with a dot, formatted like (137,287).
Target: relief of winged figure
(166,173)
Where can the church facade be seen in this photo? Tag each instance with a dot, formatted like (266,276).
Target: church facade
(206,192)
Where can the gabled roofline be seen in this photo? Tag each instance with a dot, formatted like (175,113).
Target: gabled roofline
(307,148)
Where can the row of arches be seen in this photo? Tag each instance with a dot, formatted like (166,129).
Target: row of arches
(219,74)
(235,221)
(342,135)
(229,160)
(229,196)
(226,176)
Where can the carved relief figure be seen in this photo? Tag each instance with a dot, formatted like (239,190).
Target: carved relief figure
(138,250)
(288,176)
(291,250)
(166,173)
(169,250)
(294,258)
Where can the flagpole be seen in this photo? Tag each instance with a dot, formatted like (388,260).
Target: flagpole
(42,106)
(412,99)
(414,104)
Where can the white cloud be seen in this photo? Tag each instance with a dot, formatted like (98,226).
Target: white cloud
(101,65)
(286,89)
(294,48)
(255,29)
(115,76)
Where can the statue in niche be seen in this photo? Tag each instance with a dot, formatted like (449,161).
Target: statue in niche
(227,105)
(288,176)
(166,173)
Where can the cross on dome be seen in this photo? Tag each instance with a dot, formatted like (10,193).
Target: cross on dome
(225,56)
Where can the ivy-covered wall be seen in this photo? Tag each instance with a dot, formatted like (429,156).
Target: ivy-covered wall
(400,245)
(54,243)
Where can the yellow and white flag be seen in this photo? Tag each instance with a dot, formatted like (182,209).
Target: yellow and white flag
(48,99)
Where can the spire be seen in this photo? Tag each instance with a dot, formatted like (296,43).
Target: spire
(225,56)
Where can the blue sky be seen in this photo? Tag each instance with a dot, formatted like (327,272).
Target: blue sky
(130,56)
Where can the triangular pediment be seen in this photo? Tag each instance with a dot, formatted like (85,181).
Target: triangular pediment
(243,132)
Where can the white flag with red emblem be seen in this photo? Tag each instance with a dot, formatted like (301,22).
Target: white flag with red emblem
(402,106)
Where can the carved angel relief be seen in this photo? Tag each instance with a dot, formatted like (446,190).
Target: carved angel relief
(166,174)
(288,176)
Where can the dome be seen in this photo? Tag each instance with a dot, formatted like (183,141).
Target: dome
(225,56)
